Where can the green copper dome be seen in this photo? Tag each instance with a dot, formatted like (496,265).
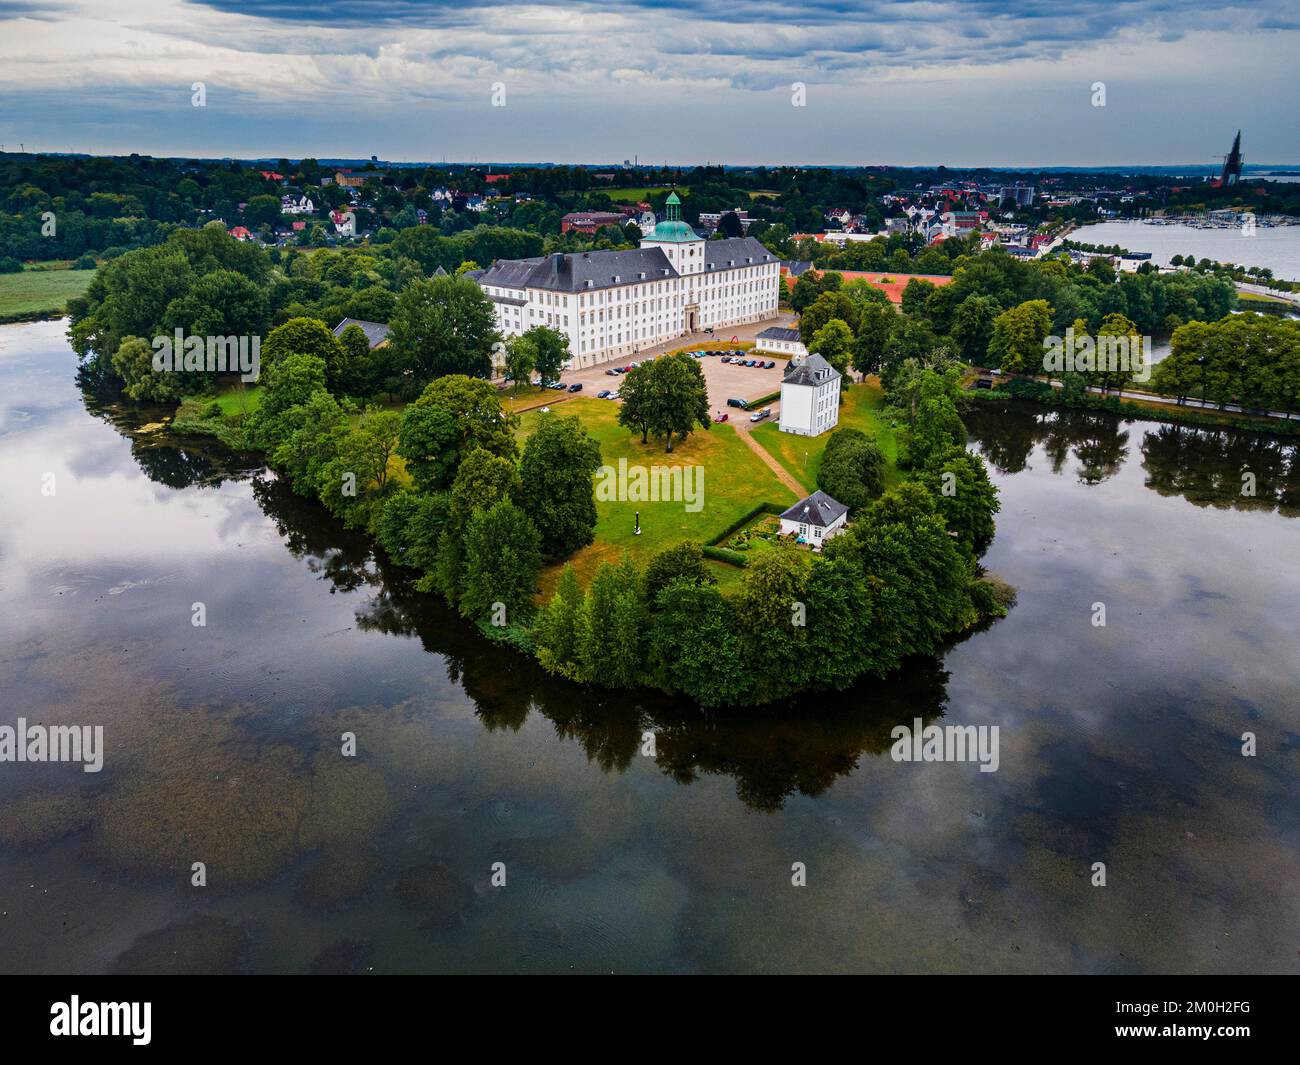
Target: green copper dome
(676,232)
(672,229)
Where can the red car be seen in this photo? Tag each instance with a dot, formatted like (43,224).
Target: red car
(721,417)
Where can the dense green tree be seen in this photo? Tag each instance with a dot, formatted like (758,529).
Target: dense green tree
(301,336)
(959,483)
(680,398)
(476,406)
(612,649)
(430,444)
(306,436)
(918,577)
(408,526)
(133,363)
(834,343)
(1018,334)
(695,645)
(503,557)
(558,462)
(680,562)
(875,325)
(445,325)
(915,294)
(852,469)
(560,627)
(839,613)
(972,326)
(825,307)
(482,480)
(287,383)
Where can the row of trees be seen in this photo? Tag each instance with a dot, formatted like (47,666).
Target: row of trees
(1250,359)
(204,283)
(997,311)
(476,516)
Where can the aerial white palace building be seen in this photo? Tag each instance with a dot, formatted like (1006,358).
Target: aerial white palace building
(612,304)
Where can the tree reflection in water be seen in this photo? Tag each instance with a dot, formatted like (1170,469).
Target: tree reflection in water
(1204,466)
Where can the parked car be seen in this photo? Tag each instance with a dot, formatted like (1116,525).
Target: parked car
(734,402)
(576,387)
(612,395)
(721,416)
(602,393)
(771,365)
(726,358)
(558,386)
(758,416)
(611,373)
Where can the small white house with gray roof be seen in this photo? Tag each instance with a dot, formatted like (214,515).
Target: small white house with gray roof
(780,341)
(815,520)
(810,397)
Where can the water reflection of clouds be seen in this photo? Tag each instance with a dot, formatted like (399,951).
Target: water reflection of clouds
(1116,745)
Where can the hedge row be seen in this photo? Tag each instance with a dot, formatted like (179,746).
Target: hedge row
(723,554)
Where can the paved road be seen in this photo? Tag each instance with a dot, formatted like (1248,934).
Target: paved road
(1169,401)
(743,427)
(1263,290)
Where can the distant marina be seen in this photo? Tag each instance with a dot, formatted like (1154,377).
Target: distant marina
(1275,246)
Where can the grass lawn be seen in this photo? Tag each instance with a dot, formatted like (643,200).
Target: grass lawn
(735,480)
(239,399)
(802,456)
(41,291)
(635,194)
(1255,297)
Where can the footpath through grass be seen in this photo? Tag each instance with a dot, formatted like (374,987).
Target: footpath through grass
(802,455)
(36,293)
(734,481)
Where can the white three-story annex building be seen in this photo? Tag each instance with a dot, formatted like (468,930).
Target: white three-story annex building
(612,304)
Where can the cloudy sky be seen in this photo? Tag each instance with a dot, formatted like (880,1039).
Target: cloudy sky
(998,82)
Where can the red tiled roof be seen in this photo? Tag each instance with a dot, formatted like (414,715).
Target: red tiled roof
(893,289)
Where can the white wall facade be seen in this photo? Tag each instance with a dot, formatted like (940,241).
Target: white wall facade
(617,321)
(814,534)
(794,348)
(810,410)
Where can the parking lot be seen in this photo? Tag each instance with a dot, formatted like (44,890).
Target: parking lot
(724,380)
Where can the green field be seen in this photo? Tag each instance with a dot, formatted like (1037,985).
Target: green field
(630,194)
(35,292)
(735,480)
(239,399)
(802,456)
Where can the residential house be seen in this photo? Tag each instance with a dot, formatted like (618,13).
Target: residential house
(240,233)
(345,222)
(810,397)
(780,342)
(349,180)
(590,221)
(376,332)
(815,520)
(295,203)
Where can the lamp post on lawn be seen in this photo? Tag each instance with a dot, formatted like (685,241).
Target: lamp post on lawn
(638,523)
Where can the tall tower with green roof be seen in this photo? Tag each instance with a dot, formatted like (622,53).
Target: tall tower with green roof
(683,246)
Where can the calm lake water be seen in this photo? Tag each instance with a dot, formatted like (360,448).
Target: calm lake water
(1276,247)
(1119,744)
